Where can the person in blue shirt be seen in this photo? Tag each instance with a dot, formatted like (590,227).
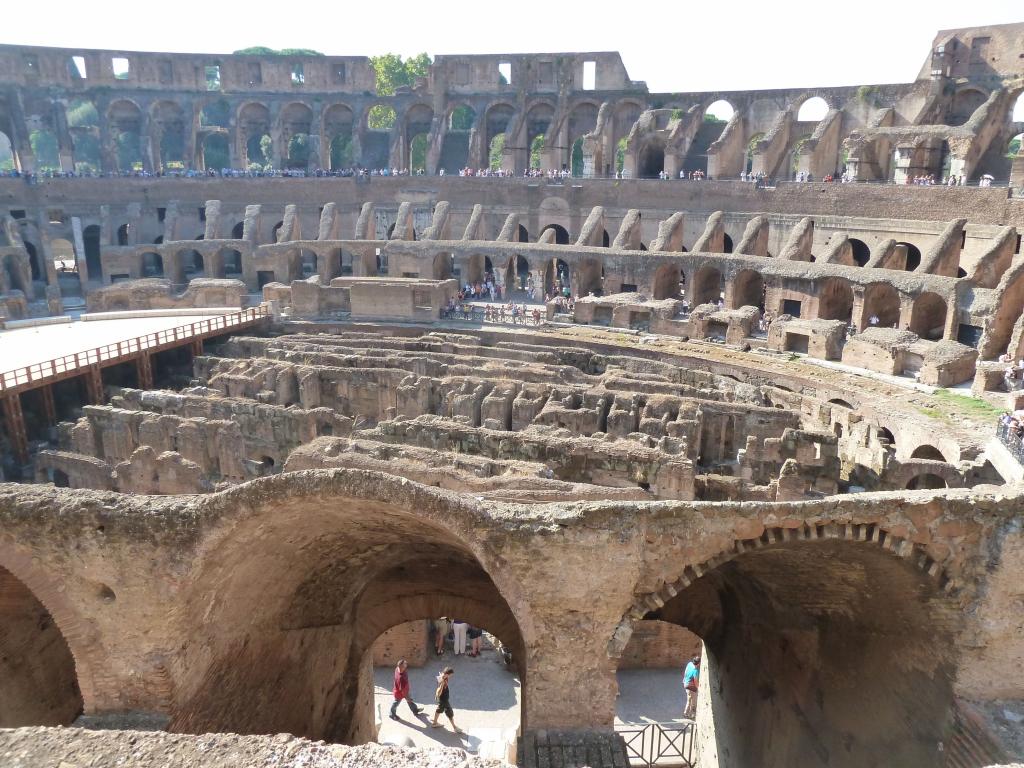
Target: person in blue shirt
(691,679)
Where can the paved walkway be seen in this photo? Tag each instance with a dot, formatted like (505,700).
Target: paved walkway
(36,344)
(486,697)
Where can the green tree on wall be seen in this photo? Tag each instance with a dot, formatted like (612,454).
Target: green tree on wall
(536,146)
(262,50)
(393,73)
(82,114)
(497,150)
(577,157)
(620,155)
(418,153)
(381,118)
(44,147)
(298,151)
(6,154)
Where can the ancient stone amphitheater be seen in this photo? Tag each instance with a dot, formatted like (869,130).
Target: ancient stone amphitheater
(768,412)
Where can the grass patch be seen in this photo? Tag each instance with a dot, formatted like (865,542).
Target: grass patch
(931,413)
(970,406)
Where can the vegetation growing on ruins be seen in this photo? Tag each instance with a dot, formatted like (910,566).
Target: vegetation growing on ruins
(262,50)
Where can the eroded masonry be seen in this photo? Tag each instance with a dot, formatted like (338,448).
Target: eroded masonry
(758,417)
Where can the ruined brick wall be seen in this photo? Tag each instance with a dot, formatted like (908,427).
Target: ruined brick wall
(407,641)
(658,644)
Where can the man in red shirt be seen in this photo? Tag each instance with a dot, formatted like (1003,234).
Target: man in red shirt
(401,690)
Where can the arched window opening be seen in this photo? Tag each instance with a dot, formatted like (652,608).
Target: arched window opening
(835,300)
(36,664)
(928,316)
(814,109)
(925,480)
(707,286)
(720,111)
(232,263)
(881,306)
(556,279)
(861,251)
(418,153)
(651,161)
(561,233)
(743,635)
(152,265)
(748,290)
(517,276)
(667,282)
(929,452)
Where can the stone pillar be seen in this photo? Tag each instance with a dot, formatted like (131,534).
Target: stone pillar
(191,134)
(65,144)
(108,158)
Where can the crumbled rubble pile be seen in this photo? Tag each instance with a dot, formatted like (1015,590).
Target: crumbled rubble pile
(77,748)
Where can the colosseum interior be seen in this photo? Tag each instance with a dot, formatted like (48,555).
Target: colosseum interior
(757,412)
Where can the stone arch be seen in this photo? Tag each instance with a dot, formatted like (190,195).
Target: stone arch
(91,236)
(60,689)
(773,594)
(748,289)
(460,128)
(928,316)
(861,251)
(651,159)
(215,113)
(707,286)
(925,480)
(561,233)
(835,300)
(667,282)
(125,119)
(927,451)
(254,123)
(881,300)
(337,122)
(417,121)
(582,120)
(443,266)
(317,574)
(913,258)
(497,120)
(168,120)
(965,101)
(722,110)
(813,108)
(557,276)
(152,264)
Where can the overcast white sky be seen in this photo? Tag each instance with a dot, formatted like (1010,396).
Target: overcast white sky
(672,44)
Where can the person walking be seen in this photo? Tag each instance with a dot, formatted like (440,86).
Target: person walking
(401,690)
(691,680)
(459,629)
(443,698)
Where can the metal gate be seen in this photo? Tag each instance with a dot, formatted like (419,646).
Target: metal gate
(663,744)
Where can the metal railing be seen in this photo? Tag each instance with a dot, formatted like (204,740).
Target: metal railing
(1011,442)
(651,744)
(111,354)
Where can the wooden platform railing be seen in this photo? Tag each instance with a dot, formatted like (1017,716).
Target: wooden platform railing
(65,366)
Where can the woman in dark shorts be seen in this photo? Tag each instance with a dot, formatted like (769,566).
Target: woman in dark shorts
(443,697)
(475,635)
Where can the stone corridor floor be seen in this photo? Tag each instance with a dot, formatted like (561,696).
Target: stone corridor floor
(486,697)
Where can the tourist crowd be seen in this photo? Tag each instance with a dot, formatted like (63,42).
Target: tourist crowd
(761,179)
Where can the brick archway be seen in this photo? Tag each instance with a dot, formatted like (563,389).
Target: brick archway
(72,628)
(790,621)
